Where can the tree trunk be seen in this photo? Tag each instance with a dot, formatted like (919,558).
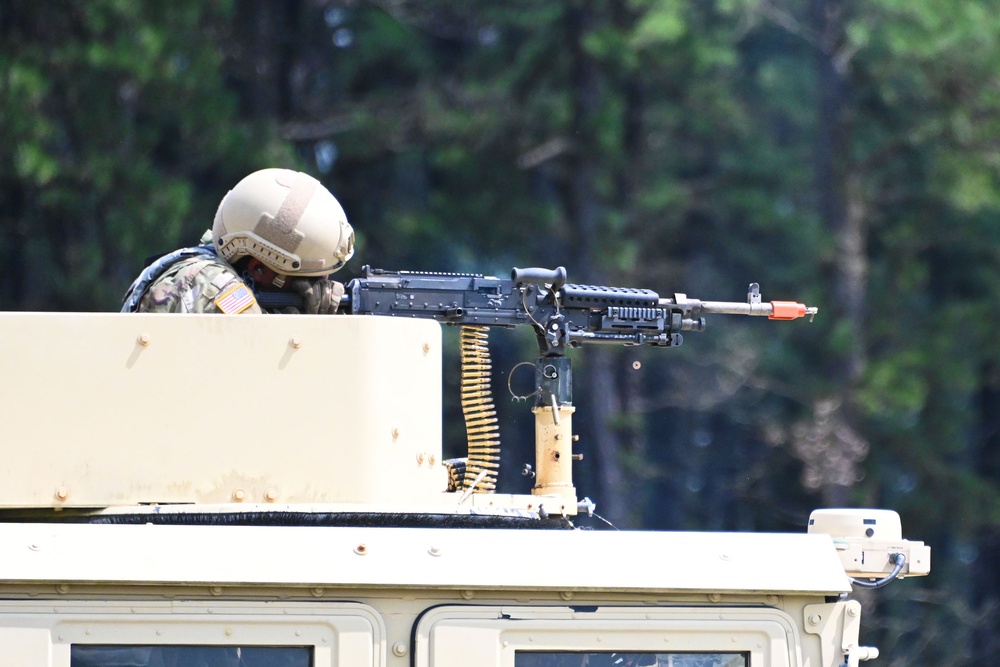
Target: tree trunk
(268,36)
(602,446)
(837,454)
(985,569)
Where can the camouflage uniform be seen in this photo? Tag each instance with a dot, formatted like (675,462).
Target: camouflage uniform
(193,286)
(193,281)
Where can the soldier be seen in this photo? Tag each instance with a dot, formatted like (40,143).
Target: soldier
(276,230)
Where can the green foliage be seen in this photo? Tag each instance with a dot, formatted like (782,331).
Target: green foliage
(660,24)
(117,114)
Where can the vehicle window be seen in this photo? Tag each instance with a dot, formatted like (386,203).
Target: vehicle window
(190,656)
(610,659)
(608,636)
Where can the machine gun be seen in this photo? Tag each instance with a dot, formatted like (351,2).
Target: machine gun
(563,315)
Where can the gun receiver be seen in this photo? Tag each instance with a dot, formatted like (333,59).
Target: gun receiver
(563,315)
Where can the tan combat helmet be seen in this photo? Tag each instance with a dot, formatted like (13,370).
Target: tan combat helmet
(287,220)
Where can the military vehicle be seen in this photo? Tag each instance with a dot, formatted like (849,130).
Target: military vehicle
(213,491)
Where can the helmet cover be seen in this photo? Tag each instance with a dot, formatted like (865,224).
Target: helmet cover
(287,220)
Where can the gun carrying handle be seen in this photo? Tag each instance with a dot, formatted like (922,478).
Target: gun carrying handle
(555,277)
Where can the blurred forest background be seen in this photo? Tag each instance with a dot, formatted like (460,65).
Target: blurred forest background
(841,153)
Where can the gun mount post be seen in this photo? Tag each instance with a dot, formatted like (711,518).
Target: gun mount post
(553,412)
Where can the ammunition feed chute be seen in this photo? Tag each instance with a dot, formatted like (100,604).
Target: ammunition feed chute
(482,430)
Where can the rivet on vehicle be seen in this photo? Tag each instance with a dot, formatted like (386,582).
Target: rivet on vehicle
(815,619)
(434,551)
(62,493)
(34,547)
(724,556)
(229,632)
(399,649)
(420,458)
(143,339)
(395,433)
(427,348)
(432,460)
(62,588)
(566,595)
(852,610)
(715,597)
(295,342)
(215,590)
(239,495)
(316,592)
(360,550)
(772,599)
(270,495)
(468,595)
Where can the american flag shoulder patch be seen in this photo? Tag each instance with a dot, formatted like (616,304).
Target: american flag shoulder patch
(235,300)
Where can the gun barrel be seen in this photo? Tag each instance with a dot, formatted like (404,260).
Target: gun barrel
(775,310)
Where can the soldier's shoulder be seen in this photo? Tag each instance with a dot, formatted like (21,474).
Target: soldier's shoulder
(192,272)
(197,285)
